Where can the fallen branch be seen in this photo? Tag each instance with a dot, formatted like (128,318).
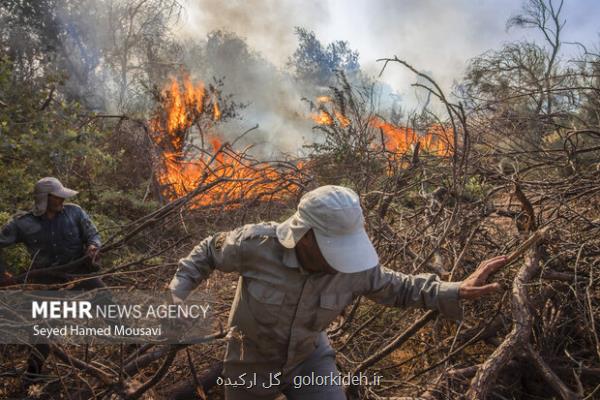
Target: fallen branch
(396,342)
(157,377)
(97,373)
(551,378)
(189,390)
(139,363)
(516,339)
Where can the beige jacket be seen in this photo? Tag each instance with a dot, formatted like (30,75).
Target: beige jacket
(279,309)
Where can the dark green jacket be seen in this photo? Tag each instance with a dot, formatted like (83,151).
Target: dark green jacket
(51,242)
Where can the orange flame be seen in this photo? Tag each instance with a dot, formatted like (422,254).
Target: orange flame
(437,140)
(397,139)
(343,120)
(216,111)
(185,108)
(325,117)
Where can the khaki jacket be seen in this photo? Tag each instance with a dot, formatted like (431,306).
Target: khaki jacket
(280,309)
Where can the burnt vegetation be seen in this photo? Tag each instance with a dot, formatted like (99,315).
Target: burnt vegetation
(507,162)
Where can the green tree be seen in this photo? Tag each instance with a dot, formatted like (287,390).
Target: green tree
(315,63)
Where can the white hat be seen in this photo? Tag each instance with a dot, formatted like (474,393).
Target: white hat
(43,188)
(335,216)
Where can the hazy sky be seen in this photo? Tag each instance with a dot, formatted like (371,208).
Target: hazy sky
(435,36)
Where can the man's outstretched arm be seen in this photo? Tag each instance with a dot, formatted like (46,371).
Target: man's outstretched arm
(428,291)
(221,251)
(421,291)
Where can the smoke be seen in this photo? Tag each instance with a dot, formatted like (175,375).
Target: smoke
(435,36)
(112,52)
(266,26)
(272,98)
(248,44)
(257,40)
(82,47)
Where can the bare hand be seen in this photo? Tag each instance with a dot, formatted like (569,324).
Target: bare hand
(93,253)
(474,286)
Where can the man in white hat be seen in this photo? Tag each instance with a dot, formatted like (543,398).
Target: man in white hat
(54,233)
(296,277)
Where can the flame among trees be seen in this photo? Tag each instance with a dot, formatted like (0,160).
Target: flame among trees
(184,128)
(192,153)
(436,139)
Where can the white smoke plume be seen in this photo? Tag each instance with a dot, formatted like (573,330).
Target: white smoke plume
(435,36)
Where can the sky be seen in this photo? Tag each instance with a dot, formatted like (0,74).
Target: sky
(438,37)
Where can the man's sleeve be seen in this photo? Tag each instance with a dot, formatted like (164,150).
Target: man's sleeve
(221,251)
(89,232)
(9,235)
(423,291)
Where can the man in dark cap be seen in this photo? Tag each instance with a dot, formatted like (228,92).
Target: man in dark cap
(296,277)
(54,234)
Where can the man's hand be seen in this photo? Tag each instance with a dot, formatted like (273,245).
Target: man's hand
(92,252)
(474,286)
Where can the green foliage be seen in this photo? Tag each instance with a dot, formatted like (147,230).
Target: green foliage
(123,205)
(41,134)
(476,187)
(15,257)
(109,51)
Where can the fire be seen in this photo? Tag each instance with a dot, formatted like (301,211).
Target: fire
(437,140)
(325,117)
(186,109)
(343,120)
(216,111)
(183,105)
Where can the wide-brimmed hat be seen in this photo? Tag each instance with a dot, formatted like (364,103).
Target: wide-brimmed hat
(335,215)
(43,188)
